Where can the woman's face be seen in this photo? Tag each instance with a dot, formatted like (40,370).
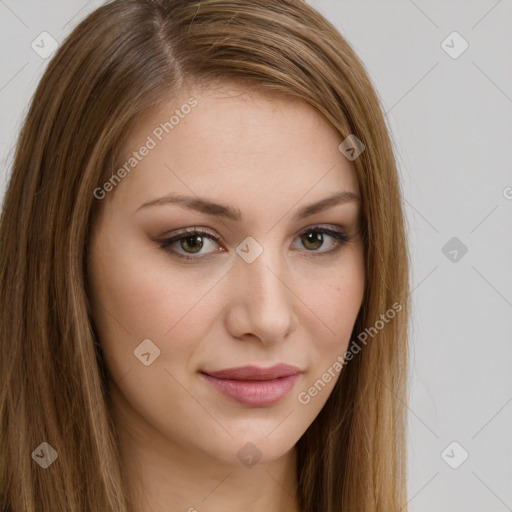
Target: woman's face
(273,289)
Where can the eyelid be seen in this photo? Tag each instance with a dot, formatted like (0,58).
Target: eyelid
(327,228)
(195,230)
(217,237)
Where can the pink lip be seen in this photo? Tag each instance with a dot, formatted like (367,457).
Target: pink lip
(255,386)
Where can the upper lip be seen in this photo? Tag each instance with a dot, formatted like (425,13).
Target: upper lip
(252,372)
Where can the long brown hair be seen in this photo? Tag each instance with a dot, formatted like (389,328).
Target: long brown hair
(120,61)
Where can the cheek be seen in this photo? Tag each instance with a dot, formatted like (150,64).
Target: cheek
(134,297)
(337,298)
(335,308)
(336,304)
(340,301)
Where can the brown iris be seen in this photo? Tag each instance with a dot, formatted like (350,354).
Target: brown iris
(312,238)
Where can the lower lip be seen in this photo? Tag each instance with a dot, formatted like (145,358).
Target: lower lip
(254,393)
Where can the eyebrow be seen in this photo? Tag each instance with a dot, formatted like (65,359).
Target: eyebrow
(208,207)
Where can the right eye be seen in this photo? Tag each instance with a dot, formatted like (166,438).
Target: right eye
(191,241)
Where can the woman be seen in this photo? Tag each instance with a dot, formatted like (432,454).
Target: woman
(204,258)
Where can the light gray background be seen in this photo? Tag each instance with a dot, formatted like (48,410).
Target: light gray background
(451,120)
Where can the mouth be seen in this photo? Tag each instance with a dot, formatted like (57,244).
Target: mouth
(254,386)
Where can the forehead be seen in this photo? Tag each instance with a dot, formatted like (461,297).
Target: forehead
(235,143)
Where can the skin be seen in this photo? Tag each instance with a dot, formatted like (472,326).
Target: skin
(296,304)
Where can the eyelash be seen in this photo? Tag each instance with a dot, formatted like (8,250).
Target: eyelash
(339,235)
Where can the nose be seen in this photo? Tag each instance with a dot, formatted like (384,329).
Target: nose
(262,301)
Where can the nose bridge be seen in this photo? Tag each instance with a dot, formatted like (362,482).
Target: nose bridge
(267,299)
(262,275)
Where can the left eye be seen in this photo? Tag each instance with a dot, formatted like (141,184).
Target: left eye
(194,240)
(314,238)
